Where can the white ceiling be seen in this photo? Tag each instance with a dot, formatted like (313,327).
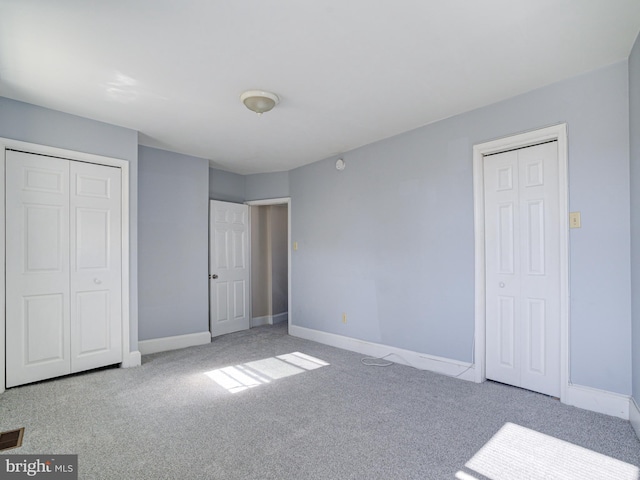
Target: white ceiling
(348,72)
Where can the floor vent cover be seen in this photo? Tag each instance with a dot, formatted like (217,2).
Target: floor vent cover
(11,439)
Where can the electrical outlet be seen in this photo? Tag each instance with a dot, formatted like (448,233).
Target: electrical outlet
(344,318)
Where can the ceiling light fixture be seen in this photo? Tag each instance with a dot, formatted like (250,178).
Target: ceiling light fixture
(259,101)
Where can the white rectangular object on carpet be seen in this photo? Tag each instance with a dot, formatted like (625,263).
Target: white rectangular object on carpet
(518,452)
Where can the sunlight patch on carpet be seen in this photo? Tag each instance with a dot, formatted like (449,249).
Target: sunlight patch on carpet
(252,374)
(518,452)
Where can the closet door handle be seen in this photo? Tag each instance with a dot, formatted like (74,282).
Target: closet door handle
(213,277)
(97,281)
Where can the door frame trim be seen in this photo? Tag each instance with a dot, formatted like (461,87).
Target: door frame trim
(129,356)
(277,201)
(522,140)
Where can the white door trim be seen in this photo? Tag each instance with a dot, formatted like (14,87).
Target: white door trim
(130,357)
(556,132)
(277,201)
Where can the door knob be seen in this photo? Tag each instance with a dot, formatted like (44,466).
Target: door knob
(97,281)
(213,277)
(501,284)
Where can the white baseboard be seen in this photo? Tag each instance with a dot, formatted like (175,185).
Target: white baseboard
(131,359)
(588,398)
(269,319)
(173,343)
(281,317)
(596,400)
(260,321)
(422,361)
(634,415)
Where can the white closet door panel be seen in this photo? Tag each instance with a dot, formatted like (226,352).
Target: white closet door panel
(93,315)
(43,328)
(95,218)
(506,332)
(92,238)
(37,268)
(502,224)
(523,268)
(540,307)
(43,237)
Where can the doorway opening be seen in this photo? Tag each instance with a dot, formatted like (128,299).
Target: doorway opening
(270,255)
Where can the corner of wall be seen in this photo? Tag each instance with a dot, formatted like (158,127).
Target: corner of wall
(175,342)
(634,162)
(634,416)
(597,400)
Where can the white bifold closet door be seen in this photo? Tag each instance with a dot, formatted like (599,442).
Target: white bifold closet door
(63,267)
(522,249)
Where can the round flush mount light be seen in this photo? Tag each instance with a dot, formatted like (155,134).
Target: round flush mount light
(259,101)
(340,164)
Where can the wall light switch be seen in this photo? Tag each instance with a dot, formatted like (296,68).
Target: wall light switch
(295,245)
(574,220)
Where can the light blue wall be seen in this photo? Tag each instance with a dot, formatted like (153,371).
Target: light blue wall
(226,186)
(634,130)
(30,123)
(173,230)
(267,185)
(390,239)
(231,187)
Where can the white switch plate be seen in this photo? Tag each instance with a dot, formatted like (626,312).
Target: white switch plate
(574,220)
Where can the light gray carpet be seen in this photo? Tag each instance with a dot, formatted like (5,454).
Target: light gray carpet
(168,420)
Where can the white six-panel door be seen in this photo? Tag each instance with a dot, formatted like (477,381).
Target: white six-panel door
(63,279)
(96,248)
(228,267)
(37,268)
(522,251)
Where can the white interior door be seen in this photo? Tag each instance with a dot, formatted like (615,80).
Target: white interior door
(37,268)
(522,251)
(63,267)
(229,279)
(96,249)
